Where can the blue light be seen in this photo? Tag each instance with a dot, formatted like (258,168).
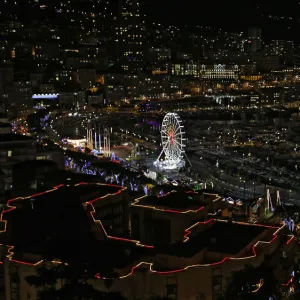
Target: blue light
(45,96)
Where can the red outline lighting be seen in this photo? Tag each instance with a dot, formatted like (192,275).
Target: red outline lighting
(11,253)
(138,243)
(220,262)
(164,210)
(10,207)
(205,265)
(188,230)
(292,237)
(289,282)
(121,189)
(259,285)
(187,234)
(172,210)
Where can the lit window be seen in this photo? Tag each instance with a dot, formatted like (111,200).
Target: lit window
(9,153)
(41,158)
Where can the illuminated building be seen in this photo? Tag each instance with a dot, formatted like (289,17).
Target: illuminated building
(159,61)
(87,57)
(220,73)
(127,87)
(186,243)
(47,99)
(65,76)
(120,86)
(114,86)
(251,77)
(64,99)
(227,98)
(282,48)
(188,68)
(160,70)
(44,54)
(156,55)
(157,87)
(130,36)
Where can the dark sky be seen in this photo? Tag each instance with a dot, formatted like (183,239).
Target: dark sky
(233,15)
(199,11)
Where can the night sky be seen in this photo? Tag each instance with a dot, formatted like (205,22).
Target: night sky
(198,12)
(231,15)
(278,19)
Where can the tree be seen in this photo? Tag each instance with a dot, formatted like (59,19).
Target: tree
(240,285)
(239,281)
(160,177)
(45,277)
(71,278)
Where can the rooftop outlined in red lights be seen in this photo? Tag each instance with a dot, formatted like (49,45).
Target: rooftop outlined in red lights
(90,204)
(225,259)
(155,203)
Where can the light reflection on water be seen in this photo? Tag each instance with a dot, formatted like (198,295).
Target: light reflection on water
(72,132)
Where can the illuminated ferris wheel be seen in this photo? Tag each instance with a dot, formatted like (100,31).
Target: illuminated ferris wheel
(173,143)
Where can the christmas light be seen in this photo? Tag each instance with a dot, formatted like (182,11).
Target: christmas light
(289,282)
(11,253)
(291,238)
(204,265)
(188,230)
(259,285)
(164,210)
(103,229)
(10,207)
(187,234)
(278,197)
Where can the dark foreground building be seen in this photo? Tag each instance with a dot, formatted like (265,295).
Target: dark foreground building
(155,246)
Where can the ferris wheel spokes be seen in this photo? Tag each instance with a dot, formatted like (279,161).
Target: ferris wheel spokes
(172,141)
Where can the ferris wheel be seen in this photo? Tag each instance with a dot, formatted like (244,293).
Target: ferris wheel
(173,142)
